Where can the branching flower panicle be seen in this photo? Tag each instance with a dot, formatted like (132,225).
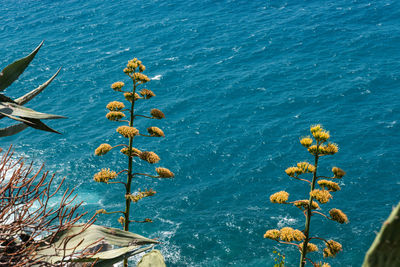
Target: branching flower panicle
(317,145)
(117,110)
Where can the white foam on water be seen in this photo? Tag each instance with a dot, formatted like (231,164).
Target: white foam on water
(156,78)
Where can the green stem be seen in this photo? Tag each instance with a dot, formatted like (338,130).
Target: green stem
(130,176)
(308,214)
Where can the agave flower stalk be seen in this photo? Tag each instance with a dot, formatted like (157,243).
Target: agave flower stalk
(309,206)
(118,112)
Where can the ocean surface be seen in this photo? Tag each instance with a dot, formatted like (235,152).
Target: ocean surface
(240,82)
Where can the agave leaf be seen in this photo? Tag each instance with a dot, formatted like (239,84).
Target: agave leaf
(34,123)
(10,73)
(81,238)
(20,111)
(4,98)
(13,129)
(110,257)
(27,97)
(152,259)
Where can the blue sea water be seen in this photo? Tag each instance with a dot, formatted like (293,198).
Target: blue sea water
(239,82)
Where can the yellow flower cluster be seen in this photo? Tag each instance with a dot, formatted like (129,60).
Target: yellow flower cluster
(104,176)
(147,94)
(289,234)
(272,234)
(155,131)
(329,185)
(323,196)
(321,135)
(149,156)
(140,77)
(164,173)
(332,248)
(306,167)
(310,247)
(115,106)
(330,149)
(101,211)
(320,264)
(303,204)
(140,195)
(131,96)
(102,149)
(157,114)
(338,173)
(306,141)
(121,220)
(279,197)
(115,115)
(293,171)
(117,86)
(134,153)
(315,128)
(128,132)
(338,215)
(132,65)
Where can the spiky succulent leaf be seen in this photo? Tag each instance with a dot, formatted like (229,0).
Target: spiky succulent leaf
(27,97)
(34,123)
(78,238)
(20,111)
(10,73)
(13,129)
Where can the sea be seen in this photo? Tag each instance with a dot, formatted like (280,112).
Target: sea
(239,82)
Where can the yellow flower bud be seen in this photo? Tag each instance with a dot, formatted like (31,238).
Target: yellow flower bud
(310,247)
(146,93)
(102,149)
(272,234)
(303,204)
(149,156)
(104,176)
(142,68)
(121,220)
(338,215)
(289,234)
(101,211)
(315,128)
(293,171)
(128,132)
(115,115)
(279,197)
(140,77)
(155,131)
(332,248)
(164,173)
(117,86)
(306,141)
(305,167)
(329,185)
(135,152)
(115,106)
(339,173)
(323,196)
(157,114)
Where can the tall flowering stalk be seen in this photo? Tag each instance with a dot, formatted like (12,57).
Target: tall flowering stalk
(317,146)
(117,112)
